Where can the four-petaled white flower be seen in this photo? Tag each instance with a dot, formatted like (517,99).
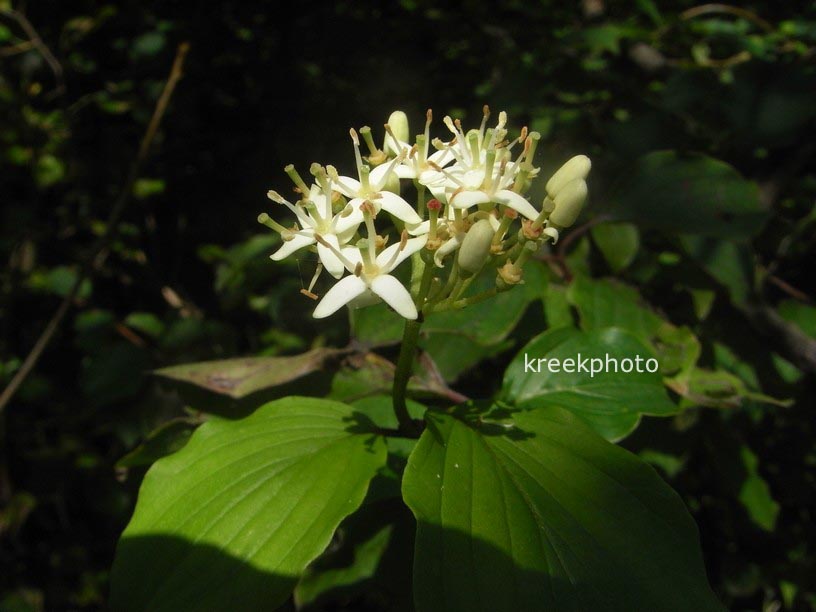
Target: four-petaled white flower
(371,279)
(371,186)
(316,219)
(483,172)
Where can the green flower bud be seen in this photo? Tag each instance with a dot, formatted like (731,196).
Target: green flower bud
(575,168)
(475,247)
(568,203)
(398,122)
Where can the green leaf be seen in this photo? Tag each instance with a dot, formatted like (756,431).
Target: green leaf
(367,556)
(231,520)
(145,322)
(556,307)
(692,194)
(543,514)
(611,402)
(800,314)
(729,263)
(755,494)
(618,243)
(608,303)
(455,353)
(168,438)
(241,377)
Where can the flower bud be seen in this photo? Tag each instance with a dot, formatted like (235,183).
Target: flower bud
(475,247)
(398,121)
(568,203)
(575,168)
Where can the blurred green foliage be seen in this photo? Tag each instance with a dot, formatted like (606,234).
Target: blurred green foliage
(697,120)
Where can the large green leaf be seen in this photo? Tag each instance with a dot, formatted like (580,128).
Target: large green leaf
(230,521)
(543,514)
(689,193)
(610,401)
(607,303)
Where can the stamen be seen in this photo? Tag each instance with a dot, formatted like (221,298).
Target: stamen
(309,294)
(523,134)
(397,160)
(358,269)
(369,212)
(485,116)
(276,197)
(318,270)
(439,168)
(343,259)
(403,242)
(357,157)
(428,119)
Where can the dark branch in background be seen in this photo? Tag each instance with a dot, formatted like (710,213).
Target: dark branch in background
(790,341)
(98,252)
(34,42)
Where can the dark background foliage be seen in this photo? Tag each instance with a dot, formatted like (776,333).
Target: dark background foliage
(186,276)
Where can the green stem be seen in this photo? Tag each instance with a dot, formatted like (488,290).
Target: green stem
(405,361)
(410,337)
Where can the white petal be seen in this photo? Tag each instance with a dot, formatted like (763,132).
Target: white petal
(348,186)
(398,207)
(290,246)
(451,245)
(411,246)
(338,296)
(405,171)
(441,158)
(332,263)
(419,230)
(352,253)
(466,199)
(351,220)
(378,175)
(395,295)
(516,202)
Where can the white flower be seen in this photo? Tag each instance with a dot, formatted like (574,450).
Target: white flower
(314,215)
(370,186)
(418,164)
(483,172)
(370,279)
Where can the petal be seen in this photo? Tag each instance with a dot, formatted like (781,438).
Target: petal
(348,186)
(441,158)
(351,220)
(449,247)
(288,247)
(405,171)
(516,202)
(328,258)
(420,229)
(398,207)
(338,296)
(395,295)
(466,199)
(379,175)
(384,259)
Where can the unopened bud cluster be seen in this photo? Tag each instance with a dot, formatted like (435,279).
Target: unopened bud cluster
(471,214)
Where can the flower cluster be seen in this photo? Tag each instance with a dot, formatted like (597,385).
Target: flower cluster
(470,190)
